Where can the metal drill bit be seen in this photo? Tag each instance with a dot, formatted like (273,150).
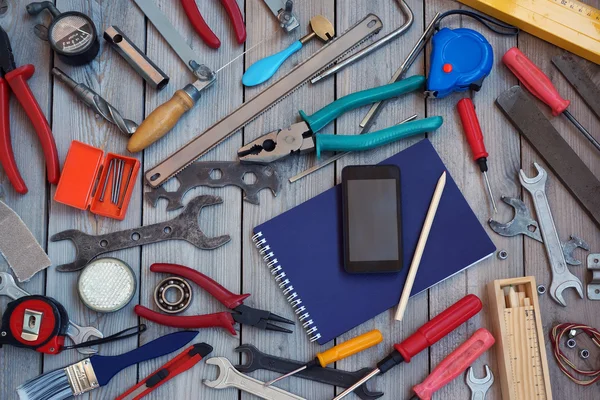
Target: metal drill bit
(110,166)
(114,182)
(119,180)
(97,103)
(120,205)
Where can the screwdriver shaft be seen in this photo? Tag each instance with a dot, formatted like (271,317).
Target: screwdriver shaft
(357,384)
(489,190)
(582,129)
(302,368)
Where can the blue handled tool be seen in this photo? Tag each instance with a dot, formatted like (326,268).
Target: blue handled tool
(262,70)
(302,137)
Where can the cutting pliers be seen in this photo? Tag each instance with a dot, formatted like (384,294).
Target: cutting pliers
(302,137)
(242,314)
(15,79)
(207,35)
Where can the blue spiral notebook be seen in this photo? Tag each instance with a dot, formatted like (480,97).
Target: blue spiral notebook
(303,247)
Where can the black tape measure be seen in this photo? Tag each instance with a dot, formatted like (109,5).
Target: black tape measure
(72,35)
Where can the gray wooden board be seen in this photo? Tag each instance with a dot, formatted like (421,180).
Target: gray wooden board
(237,265)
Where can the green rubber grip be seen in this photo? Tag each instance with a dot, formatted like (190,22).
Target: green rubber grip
(324,142)
(329,113)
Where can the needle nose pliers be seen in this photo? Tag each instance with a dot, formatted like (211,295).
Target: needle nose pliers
(242,314)
(201,27)
(302,137)
(15,79)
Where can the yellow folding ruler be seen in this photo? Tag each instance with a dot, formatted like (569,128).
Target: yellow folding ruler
(569,24)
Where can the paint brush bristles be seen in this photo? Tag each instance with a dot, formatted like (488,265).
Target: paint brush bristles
(51,386)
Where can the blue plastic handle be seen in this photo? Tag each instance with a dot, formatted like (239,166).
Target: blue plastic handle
(369,141)
(329,113)
(262,70)
(105,367)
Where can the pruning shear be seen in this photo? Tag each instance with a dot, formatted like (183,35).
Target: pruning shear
(15,79)
(302,137)
(243,314)
(201,27)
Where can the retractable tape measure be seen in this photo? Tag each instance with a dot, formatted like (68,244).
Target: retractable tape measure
(36,322)
(461,58)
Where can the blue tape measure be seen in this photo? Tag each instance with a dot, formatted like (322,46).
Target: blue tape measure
(460,60)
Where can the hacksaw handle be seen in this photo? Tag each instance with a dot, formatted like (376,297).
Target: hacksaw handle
(534,80)
(455,364)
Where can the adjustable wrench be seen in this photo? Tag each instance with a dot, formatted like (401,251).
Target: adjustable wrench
(230,377)
(78,334)
(479,386)
(561,277)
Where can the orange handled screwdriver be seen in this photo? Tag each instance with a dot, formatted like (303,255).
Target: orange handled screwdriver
(339,352)
(541,87)
(427,335)
(470,123)
(454,365)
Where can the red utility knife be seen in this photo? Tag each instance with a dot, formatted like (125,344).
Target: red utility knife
(202,28)
(184,361)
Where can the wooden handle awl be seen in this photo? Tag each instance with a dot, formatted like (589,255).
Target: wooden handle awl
(160,121)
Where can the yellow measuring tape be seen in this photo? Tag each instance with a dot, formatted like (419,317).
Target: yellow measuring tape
(569,24)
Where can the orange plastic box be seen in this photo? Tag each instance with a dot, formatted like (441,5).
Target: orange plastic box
(83,179)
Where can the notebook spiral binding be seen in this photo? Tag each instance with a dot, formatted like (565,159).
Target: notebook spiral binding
(286,286)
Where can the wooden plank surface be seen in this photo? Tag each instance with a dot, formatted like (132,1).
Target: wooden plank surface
(237,265)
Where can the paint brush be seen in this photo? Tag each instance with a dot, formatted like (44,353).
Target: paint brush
(96,371)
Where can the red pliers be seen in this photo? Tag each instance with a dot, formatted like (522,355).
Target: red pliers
(207,35)
(243,314)
(16,79)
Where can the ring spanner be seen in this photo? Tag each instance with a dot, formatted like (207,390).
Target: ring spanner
(561,277)
(183,227)
(78,334)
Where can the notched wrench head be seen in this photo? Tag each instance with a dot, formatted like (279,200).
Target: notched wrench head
(522,222)
(224,367)
(570,246)
(537,182)
(479,384)
(557,289)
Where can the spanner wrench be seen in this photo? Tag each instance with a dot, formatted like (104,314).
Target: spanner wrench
(78,334)
(183,227)
(562,278)
(479,386)
(230,377)
(256,359)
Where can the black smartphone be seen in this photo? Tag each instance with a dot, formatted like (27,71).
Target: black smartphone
(372,219)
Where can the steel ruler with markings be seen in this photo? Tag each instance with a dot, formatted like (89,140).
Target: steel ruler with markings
(569,24)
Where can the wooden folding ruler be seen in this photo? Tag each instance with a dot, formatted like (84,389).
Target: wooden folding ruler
(519,339)
(568,24)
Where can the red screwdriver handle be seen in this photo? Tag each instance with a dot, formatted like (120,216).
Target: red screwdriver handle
(455,364)
(534,80)
(444,323)
(472,129)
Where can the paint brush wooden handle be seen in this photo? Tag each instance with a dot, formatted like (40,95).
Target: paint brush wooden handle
(414,265)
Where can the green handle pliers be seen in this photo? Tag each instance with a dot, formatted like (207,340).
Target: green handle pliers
(302,137)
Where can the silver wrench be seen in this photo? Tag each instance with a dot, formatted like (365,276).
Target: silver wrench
(230,377)
(562,278)
(479,386)
(78,334)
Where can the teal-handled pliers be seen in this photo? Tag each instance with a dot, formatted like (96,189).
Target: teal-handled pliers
(302,137)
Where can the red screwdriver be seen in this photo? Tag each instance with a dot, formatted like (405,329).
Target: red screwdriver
(470,123)
(541,87)
(428,334)
(455,364)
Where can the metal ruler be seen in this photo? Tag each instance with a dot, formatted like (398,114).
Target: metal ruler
(573,71)
(568,24)
(267,98)
(555,151)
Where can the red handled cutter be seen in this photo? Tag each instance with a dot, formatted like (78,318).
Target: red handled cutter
(243,314)
(16,79)
(202,28)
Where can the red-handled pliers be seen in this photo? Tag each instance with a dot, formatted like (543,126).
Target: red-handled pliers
(16,79)
(243,314)
(207,35)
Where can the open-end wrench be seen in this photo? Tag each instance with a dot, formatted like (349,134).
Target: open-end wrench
(183,227)
(228,377)
(562,278)
(524,224)
(78,334)
(256,359)
(479,386)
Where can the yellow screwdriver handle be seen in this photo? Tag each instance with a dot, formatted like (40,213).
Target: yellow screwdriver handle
(350,347)
(160,121)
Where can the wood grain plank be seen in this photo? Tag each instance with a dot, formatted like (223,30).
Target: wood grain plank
(18,365)
(109,76)
(224,263)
